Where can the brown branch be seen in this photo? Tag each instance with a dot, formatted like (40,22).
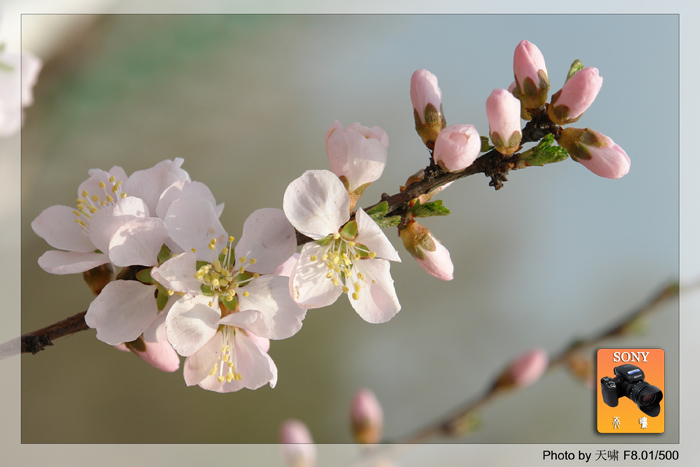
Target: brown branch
(36,341)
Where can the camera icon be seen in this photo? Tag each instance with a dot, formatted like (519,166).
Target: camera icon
(629,382)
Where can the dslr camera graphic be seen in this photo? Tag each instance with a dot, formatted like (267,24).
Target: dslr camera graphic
(629,382)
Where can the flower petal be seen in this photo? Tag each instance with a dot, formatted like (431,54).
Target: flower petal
(183,189)
(377,302)
(317,203)
(149,184)
(138,242)
(269,238)
(122,311)
(177,274)
(371,235)
(105,221)
(191,322)
(308,284)
(198,366)
(279,317)
(285,269)
(70,262)
(57,226)
(192,223)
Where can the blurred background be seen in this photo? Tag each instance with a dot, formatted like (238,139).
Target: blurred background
(556,255)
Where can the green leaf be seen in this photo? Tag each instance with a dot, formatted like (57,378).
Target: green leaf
(391,221)
(144,276)
(433,208)
(544,153)
(576,66)
(349,231)
(378,211)
(163,254)
(485,145)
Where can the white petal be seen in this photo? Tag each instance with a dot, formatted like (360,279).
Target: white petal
(366,159)
(269,238)
(192,223)
(279,317)
(285,269)
(308,284)
(198,365)
(108,219)
(377,302)
(371,235)
(149,184)
(92,184)
(183,189)
(317,203)
(70,262)
(138,242)
(177,274)
(122,311)
(57,226)
(191,322)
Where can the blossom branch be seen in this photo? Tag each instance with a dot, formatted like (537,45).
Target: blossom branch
(36,341)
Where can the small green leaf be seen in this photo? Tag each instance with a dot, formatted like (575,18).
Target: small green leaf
(576,66)
(433,208)
(391,221)
(349,231)
(485,145)
(544,153)
(163,254)
(378,211)
(144,276)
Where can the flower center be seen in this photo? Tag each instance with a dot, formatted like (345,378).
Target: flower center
(226,363)
(224,275)
(89,203)
(340,258)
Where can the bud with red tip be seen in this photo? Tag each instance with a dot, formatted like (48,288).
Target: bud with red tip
(503,113)
(531,79)
(431,255)
(597,152)
(367,417)
(577,94)
(426,98)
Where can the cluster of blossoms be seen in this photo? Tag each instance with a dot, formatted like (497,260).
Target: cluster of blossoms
(186,287)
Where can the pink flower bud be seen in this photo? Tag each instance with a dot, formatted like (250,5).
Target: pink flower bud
(297,446)
(597,152)
(577,94)
(530,71)
(431,255)
(357,154)
(366,417)
(528,368)
(158,354)
(426,98)
(457,147)
(503,113)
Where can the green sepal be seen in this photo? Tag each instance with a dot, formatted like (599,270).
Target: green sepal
(243,277)
(164,254)
(575,66)
(199,264)
(349,230)
(144,276)
(430,209)
(161,298)
(230,304)
(544,153)
(137,345)
(206,290)
(485,145)
(391,221)
(325,240)
(379,211)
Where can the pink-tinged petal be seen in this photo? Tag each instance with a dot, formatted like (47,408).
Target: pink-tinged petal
(437,263)
(138,242)
(279,317)
(527,62)
(457,147)
(241,319)
(149,184)
(424,91)
(183,189)
(317,203)
(191,322)
(574,98)
(308,284)
(192,223)
(371,235)
(199,365)
(57,226)
(98,176)
(596,151)
(267,237)
(255,366)
(105,221)
(358,153)
(122,311)
(262,342)
(528,368)
(377,302)
(177,274)
(159,353)
(70,262)
(285,269)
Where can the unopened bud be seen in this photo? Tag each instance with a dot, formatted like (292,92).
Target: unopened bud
(531,79)
(431,255)
(160,355)
(503,113)
(581,367)
(426,98)
(457,147)
(297,446)
(573,99)
(597,152)
(366,417)
(97,278)
(525,370)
